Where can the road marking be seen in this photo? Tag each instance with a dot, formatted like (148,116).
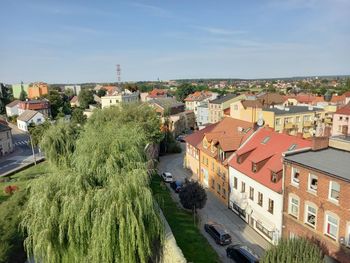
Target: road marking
(22,143)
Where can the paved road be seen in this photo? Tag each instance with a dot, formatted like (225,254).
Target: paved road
(216,211)
(22,153)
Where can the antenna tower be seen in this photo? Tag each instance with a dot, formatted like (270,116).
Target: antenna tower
(118,73)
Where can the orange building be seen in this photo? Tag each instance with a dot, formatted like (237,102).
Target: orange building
(37,90)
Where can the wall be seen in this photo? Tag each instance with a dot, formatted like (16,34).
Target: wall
(37,119)
(268,220)
(11,111)
(340,120)
(6,145)
(296,226)
(192,159)
(16,89)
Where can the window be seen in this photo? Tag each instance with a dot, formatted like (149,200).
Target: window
(212,183)
(340,118)
(271,203)
(334,190)
(292,147)
(254,168)
(239,159)
(218,188)
(265,140)
(243,187)
(294,206)
(212,166)
(235,107)
(310,215)
(260,199)
(295,176)
(307,118)
(235,183)
(331,226)
(251,193)
(313,182)
(297,119)
(274,177)
(278,121)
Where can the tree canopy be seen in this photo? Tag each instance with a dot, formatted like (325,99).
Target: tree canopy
(193,196)
(97,205)
(85,98)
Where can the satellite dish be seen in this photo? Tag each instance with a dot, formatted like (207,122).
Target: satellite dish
(260,122)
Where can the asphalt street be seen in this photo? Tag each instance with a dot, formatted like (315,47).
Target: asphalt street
(216,211)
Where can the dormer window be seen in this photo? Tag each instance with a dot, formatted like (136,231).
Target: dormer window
(254,167)
(239,159)
(274,177)
(205,144)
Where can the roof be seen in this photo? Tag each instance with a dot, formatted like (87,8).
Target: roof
(13,103)
(271,98)
(166,102)
(346,94)
(198,96)
(266,145)
(331,161)
(4,127)
(196,138)
(293,110)
(223,99)
(344,110)
(74,99)
(34,104)
(27,115)
(251,104)
(157,92)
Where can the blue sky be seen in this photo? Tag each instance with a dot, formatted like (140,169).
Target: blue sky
(82,41)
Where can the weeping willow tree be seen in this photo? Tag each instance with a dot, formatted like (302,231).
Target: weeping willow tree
(294,250)
(99,207)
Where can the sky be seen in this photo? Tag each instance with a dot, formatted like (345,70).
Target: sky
(83,41)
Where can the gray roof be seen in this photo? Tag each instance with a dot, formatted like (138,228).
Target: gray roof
(223,99)
(293,110)
(13,103)
(27,115)
(330,160)
(166,102)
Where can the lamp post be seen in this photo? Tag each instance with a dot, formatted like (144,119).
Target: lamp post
(31,143)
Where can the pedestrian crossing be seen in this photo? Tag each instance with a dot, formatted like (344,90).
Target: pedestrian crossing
(23,143)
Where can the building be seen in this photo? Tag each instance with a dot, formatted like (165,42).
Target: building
(17,89)
(42,106)
(6,145)
(117,98)
(304,120)
(74,102)
(218,144)
(182,122)
(156,94)
(12,108)
(256,176)
(246,110)
(75,88)
(270,99)
(29,117)
(167,106)
(202,117)
(316,204)
(37,90)
(341,121)
(192,101)
(217,106)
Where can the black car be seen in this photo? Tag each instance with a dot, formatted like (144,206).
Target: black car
(242,254)
(219,234)
(177,185)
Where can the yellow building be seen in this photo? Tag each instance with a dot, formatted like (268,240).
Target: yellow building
(246,110)
(217,106)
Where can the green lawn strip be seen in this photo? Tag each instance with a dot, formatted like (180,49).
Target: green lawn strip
(188,237)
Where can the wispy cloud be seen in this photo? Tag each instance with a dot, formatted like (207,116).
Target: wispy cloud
(219,31)
(152,9)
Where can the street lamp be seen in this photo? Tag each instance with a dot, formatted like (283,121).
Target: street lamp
(31,142)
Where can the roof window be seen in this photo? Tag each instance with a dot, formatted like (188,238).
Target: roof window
(266,139)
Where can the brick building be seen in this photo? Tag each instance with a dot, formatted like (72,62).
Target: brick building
(316,198)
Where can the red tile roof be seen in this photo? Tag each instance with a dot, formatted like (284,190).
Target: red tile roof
(251,104)
(198,96)
(344,110)
(34,105)
(196,138)
(270,151)
(347,94)
(156,93)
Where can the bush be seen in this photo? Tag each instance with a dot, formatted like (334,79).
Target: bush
(193,196)
(10,189)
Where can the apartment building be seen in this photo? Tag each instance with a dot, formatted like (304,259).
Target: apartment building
(117,98)
(256,176)
(247,110)
(192,101)
(17,89)
(182,122)
(316,204)
(37,90)
(202,117)
(6,145)
(217,106)
(341,121)
(167,106)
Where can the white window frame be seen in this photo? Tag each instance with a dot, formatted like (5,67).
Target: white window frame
(327,215)
(307,205)
(295,181)
(330,192)
(290,204)
(312,176)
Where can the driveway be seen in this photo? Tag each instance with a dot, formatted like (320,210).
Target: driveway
(215,210)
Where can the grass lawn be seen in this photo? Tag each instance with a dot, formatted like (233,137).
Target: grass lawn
(22,178)
(188,237)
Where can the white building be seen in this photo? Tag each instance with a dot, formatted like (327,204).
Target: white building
(29,117)
(193,100)
(125,96)
(12,108)
(202,117)
(75,88)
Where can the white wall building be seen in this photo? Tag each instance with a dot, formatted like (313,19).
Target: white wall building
(123,97)
(28,117)
(202,116)
(12,108)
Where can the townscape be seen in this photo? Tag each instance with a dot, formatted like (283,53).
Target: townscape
(175,131)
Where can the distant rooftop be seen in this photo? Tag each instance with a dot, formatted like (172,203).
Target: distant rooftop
(330,160)
(223,99)
(293,109)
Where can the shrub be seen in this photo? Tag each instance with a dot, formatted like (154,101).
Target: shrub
(10,189)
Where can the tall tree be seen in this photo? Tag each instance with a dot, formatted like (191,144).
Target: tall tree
(78,116)
(56,102)
(101,92)
(193,196)
(85,98)
(183,91)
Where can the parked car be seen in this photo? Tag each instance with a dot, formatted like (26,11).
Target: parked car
(242,253)
(167,177)
(177,185)
(218,232)
(181,138)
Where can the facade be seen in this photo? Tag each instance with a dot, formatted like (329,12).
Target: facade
(341,121)
(256,176)
(167,106)
(12,108)
(42,106)
(75,88)
(197,98)
(29,117)
(316,205)
(217,106)
(37,90)
(202,117)
(295,120)
(182,122)
(6,145)
(120,97)
(246,110)
(17,88)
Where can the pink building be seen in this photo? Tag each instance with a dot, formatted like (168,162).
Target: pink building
(341,121)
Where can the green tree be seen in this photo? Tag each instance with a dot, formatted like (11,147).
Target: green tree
(101,92)
(69,93)
(5,97)
(37,132)
(193,196)
(85,98)
(23,95)
(56,102)
(294,250)
(183,91)
(78,116)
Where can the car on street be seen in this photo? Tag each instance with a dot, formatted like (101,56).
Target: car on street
(217,231)
(181,138)
(176,186)
(167,177)
(242,253)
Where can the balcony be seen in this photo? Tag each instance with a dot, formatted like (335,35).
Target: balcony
(308,123)
(289,125)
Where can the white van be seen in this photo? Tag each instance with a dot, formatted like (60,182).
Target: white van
(168,178)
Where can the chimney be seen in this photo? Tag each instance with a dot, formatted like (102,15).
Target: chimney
(319,143)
